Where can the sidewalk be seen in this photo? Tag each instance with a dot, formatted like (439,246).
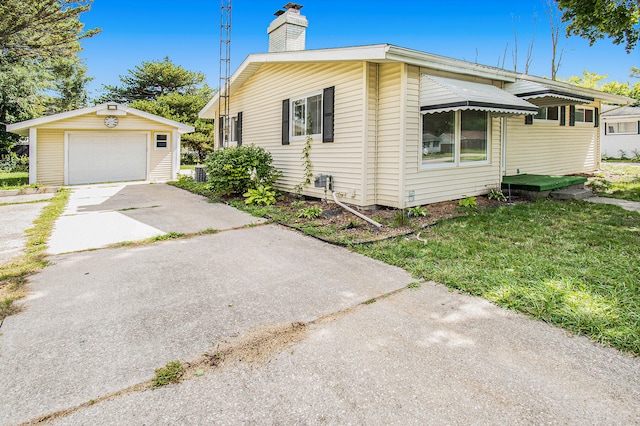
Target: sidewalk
(632,206)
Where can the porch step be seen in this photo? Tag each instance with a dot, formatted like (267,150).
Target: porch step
(572,193)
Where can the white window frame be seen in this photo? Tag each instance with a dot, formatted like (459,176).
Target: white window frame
(457,146)
(546,115)
(155,141)
(634,124)
(584,109)
(292,124)
(233,129)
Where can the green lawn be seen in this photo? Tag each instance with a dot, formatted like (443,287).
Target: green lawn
(572,264)
(14,180)
(618,181)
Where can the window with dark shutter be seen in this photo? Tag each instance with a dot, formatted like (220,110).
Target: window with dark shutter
(327,114)
(563,116)
(239,128)
(285,122)
(572,115)
(528,119)
(596,117)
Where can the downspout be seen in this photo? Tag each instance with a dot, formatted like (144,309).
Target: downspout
(503,160)
(328,186)
(357,213)
(33,156)
(375,142)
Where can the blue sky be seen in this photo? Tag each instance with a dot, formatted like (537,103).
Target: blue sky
(188,32)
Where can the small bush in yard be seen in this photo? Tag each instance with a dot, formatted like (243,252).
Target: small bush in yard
(310,212)
(238,169)
(262,195)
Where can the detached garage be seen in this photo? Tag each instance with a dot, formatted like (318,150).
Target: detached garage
(105,143)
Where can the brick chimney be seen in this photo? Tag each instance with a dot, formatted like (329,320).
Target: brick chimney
(288,31)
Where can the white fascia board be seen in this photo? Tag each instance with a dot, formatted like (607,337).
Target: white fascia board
(442,63)
(24,125)
(373,53)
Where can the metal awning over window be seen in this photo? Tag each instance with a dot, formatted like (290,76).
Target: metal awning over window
(545,95)
(440,94)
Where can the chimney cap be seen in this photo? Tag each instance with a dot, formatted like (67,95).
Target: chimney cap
(292,5)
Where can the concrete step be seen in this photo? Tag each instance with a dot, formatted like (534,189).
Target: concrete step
(571,193)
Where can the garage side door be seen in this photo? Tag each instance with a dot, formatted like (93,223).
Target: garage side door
(106,157)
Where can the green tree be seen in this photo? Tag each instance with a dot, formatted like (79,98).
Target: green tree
(592,80)
(68,88)
(184,108)
(170,91)
(595,19)
(42,29)
(37,37)
(153,79)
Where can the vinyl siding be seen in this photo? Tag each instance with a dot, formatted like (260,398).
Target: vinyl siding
(50,157)
(432,185)
(160,159)
(50,146)
(551,149)
(389,134)
(96,122)
(370,156)
(612,144)
(260,101)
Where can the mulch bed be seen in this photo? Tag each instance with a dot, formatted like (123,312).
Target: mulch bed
(339,226)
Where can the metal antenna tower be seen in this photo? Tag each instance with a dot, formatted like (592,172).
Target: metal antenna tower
(225,68)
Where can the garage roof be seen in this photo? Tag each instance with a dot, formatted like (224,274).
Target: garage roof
(22,128)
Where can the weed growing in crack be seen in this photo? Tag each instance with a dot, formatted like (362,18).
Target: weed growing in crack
(170,373)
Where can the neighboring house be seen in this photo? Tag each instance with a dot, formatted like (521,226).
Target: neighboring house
(104,143)
(620,134)
(398,127)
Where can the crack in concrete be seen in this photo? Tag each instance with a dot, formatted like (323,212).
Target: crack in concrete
(256,347)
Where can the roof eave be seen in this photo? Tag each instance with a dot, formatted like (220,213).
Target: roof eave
(22,128)
(583,91)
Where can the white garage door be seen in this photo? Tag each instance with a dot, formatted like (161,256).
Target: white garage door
(106,157)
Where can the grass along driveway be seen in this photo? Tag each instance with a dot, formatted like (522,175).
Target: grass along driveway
(13,180)
(572,264)
(13,275)
(620,181)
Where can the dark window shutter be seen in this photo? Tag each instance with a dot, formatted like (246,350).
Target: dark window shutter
(639,127)
(596,118)
(572,115)
(563,115)
(239,128)
(285,122)
(221,131)
(327,114)
(528,119)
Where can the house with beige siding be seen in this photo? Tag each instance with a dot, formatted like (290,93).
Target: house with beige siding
(104,143)
(398,127)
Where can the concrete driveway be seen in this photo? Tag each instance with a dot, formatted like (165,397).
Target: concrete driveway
(98,323)
(17,214)
(100,215)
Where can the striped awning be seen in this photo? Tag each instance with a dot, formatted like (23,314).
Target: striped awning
(440,94)
(545,95)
